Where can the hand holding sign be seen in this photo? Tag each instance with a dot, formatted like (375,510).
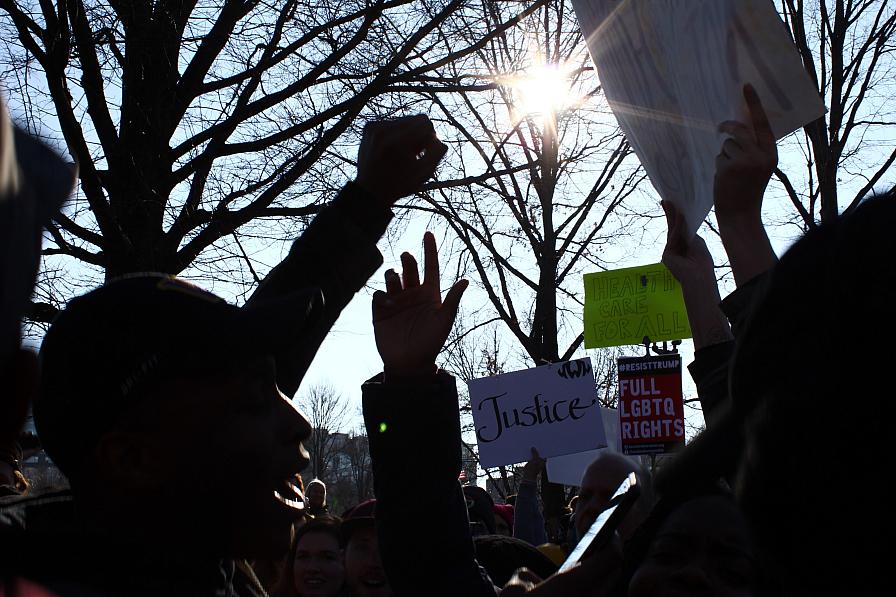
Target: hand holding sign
(410,320)
(672,69)
(743,168)
(534,467)
(688,260)
(691,264)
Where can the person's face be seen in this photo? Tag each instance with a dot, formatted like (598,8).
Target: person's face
(318,569)
(363,570)
(316,494)
(600,482)
(232,446)
(703,548)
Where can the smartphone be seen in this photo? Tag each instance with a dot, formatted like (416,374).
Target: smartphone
(603,528)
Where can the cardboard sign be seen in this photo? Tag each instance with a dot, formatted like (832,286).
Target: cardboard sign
(569,469)
(651,406)
(672,70)
(551,408)
(625,305)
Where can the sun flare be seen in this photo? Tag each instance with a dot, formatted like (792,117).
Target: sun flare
(541,90)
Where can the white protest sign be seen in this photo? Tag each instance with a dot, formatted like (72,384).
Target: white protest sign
(552,408)
(569,469)
(672,70)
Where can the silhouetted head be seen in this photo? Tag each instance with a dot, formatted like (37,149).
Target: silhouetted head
(600,481)
(480,510)
(159,402)
(364,574)
(316,493)
(814,364)
(699,545)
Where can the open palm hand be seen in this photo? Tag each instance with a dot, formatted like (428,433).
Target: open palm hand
(410,320)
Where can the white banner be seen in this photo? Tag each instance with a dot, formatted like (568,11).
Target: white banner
(672,70)
(569,469)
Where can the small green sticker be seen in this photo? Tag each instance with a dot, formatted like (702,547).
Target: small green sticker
(625,305)
(382,428)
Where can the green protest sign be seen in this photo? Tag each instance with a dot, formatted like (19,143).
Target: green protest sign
(625,305)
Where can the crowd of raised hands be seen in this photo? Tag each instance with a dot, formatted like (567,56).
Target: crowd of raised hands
(165,409)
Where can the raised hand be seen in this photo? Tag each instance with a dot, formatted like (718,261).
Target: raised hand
(743,169)
(688,260)
(410,320)
(533,468)
(691,264)
(397,156)
(744,165)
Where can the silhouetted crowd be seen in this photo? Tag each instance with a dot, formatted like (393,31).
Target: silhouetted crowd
(167,410)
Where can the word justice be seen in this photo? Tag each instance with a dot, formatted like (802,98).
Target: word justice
(540,412)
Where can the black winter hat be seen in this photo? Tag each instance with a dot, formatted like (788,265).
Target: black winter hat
(127,335)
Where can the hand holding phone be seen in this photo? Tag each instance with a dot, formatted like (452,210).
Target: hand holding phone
(606,523)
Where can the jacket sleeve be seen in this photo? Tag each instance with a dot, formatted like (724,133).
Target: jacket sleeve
(415,448)
(710,367)
(528,521)
(337,254)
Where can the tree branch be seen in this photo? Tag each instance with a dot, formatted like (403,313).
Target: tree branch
(871,182)
(794,198)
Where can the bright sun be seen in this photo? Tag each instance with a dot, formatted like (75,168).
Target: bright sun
(541,90)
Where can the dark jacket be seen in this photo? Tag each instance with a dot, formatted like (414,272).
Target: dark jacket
(337,254)
(320,512)
(421,516)
(711,363)
(41,539)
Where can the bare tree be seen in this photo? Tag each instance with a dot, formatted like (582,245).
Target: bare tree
(847,48)
(561,172)
(349,477)
(606,374)
(195,124)
(474,351)
(357,451)
(328,412)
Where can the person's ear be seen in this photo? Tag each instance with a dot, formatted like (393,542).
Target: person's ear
(130,459)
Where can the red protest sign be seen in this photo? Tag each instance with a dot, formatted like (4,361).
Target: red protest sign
(651,407)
